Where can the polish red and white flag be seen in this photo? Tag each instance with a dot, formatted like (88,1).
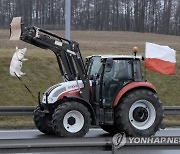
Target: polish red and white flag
(161,59)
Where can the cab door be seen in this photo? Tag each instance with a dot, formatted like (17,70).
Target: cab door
(115,76)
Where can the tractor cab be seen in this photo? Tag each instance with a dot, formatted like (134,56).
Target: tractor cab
(110,73)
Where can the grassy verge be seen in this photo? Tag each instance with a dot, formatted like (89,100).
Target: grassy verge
(42,70)
(16,122)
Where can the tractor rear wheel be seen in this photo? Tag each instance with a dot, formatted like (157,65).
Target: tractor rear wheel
(43,122)
(71,119)
(139,113)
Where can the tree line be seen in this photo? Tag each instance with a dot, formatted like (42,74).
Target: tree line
(157,16)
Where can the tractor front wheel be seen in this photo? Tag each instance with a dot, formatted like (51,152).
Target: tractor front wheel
(71,119)
(43,121)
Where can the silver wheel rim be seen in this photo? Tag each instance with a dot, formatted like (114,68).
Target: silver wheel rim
(73,121)
(142,114)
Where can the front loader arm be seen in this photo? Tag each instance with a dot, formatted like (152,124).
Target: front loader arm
(67,53)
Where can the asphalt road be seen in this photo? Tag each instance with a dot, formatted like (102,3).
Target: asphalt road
(33,133)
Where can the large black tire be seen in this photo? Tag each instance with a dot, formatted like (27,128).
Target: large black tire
(139,113)
(71,119)
(43,123)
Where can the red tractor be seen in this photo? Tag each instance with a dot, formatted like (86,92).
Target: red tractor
(106,91)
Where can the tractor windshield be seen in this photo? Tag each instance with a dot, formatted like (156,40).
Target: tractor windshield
(94,66)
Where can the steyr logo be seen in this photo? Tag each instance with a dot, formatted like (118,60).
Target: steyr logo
(119,140)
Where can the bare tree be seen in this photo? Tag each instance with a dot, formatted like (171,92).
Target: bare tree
(159,16)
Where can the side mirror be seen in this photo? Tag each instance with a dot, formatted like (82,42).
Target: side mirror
(108,65)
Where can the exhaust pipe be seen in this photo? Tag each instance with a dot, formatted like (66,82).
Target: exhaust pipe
(15,29)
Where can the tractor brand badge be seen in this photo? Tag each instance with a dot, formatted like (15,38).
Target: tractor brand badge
(119,140)
(72,87)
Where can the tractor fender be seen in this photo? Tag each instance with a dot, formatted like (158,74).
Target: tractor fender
(132,86)
(80,100)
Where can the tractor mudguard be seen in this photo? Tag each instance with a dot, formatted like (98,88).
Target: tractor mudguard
(131,86)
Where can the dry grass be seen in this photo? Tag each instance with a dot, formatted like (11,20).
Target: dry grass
(121,41)
(42,70)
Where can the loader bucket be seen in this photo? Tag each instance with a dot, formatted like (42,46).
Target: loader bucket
(15,29)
